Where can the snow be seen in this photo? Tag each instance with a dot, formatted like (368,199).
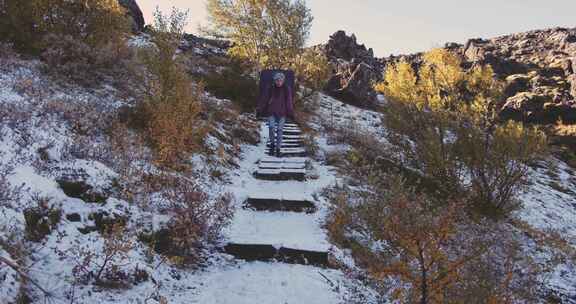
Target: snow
(259,282)
(280,229)
(549,203)
(9,283)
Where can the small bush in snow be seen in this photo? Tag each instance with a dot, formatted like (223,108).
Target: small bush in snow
(41,219)
(105,264)
(196,223)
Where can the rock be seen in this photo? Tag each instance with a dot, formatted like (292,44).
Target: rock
(74,184)
(104,221)
(73,217)
(473,50)
(135,13)
(345,47)
(355,69)
(81,190)
(515,84)
(572,81)
(523,106)
(568,66)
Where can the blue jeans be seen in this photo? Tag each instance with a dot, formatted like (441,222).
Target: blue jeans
(276,130)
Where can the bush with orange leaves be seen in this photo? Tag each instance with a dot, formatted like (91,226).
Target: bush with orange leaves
(433,252)
(172,109)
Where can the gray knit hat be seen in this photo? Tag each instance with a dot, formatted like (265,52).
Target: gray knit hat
(279,75)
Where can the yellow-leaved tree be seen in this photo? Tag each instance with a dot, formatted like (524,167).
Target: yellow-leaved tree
(270,34)
(444,119)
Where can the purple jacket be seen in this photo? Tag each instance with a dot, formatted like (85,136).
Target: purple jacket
(277,101)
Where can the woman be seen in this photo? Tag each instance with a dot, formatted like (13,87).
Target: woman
(277,105)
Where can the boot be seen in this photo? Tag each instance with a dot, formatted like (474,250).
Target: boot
(278,154)
(272,150)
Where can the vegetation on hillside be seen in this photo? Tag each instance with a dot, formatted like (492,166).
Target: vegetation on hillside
(27,23)
(444,122)
(172,107)
(433,204)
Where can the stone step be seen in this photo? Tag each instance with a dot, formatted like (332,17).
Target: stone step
(278,165)
(298,137)
(259,252)
(289,141)
(272,159)
(281,174)
(271,204)
(291,152)
(292,132)
(287,125)
(287,145)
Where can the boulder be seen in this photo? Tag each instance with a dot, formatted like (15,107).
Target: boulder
(135,14)
(568,66)
(523,106)
(572,80)
(345,47)
(474,51)
(516,83)
(355,69)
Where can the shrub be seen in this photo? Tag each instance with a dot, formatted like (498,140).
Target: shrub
(443,119)
(104,265)
(76,60)
(26,23)
(235,84)
(266,33)
(42,219)
(172,108)
(312,70)
(196,223)
(432,253)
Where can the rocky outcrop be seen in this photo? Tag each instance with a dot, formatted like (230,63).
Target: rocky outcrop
(135,13)
(354,69)
(537,67)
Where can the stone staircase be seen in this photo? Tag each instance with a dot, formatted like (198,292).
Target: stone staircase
(280,217)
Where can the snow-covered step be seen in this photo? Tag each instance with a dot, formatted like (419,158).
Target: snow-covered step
(281,165)
(287,145)
(288,141)
(287,125)
(259,252)
(291,152)
(272,204)
(272,159)
(288,136)
(260,282)
(292,132)
(281,229)
(280,174)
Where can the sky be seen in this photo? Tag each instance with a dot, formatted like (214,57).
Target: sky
(408,26)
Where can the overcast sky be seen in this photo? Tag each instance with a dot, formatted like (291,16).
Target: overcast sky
(407,26)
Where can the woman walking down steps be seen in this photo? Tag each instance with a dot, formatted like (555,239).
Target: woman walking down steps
(277,105)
